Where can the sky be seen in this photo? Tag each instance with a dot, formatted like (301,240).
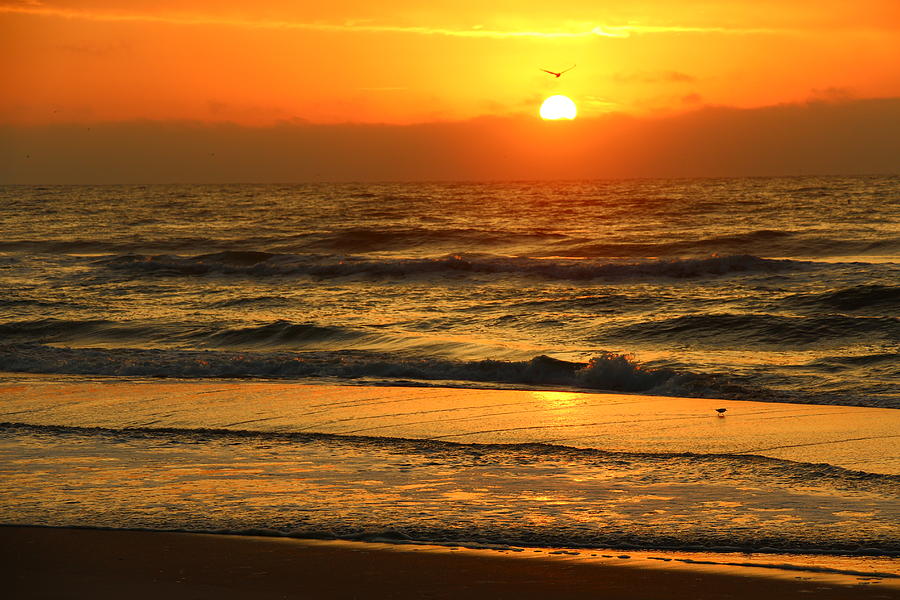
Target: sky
(406,76)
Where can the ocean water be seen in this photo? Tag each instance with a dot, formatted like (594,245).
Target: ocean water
(781,290)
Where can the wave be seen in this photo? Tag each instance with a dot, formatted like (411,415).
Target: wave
(342,241)
(861,361)
(611,372)
(763,241)
(763,329)
(227,262)
(262,264)
(91,246)
(381,239)
(539,243)
(740,242)
(68,330)
(280,334)
(853,299)
(137,244)
(276,335)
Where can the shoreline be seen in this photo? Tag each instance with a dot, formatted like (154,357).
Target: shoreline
(618,422)
(44,562)
(66,561)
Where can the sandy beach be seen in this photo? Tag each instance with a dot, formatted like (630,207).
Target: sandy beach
(76,563)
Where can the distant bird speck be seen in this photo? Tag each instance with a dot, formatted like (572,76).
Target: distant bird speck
(721,411)
(555,74)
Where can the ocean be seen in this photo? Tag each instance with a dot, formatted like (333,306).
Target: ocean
(776,290)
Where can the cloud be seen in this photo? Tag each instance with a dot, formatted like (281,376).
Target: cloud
(229,110)
(858,137)
(602,104)
(583,31)
(654,77)
(832,94)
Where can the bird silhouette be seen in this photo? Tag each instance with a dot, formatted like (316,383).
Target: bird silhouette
(555,74)
(721,411)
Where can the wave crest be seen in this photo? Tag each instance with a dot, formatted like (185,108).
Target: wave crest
(763,329)
(261,264)
(852,299)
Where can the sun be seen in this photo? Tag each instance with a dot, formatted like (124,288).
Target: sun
(558,107)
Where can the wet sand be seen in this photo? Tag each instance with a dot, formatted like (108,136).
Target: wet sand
(852,437)
(84,563)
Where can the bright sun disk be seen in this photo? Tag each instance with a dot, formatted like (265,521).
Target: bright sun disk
(558,107)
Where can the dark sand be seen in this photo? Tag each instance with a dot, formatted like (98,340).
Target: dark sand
(84,563)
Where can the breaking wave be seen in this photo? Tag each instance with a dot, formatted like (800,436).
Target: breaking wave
(608,371)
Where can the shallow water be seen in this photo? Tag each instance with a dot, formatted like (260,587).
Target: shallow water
(551,469)
(327,486)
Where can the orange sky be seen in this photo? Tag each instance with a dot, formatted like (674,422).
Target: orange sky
(344,61)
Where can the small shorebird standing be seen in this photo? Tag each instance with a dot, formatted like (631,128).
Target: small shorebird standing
(555,74)
(721,411)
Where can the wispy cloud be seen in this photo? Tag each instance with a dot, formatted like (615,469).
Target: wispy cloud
(583,31)
(654,77)
(601,104)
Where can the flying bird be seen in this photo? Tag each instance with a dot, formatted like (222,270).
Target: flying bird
(721,411)
(555,74)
